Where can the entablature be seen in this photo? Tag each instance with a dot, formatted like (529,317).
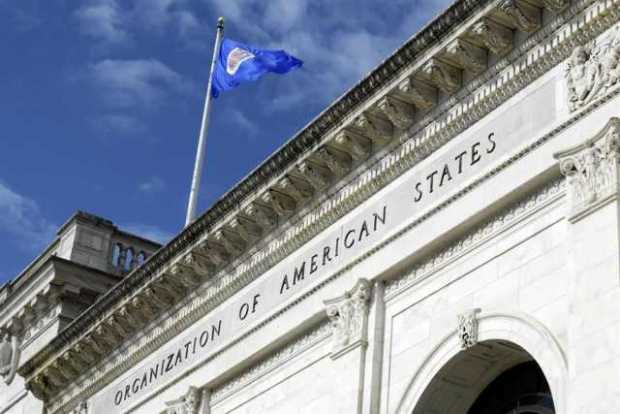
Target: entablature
(192,264)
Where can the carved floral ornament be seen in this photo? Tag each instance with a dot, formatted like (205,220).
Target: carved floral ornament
(592,168)
(348,316)
(467,328)
(593,69)
(188,404)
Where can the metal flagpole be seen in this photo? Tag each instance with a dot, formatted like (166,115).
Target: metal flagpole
(202,139)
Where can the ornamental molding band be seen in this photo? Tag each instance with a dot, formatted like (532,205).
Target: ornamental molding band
(593,69)
(348,316)
(188,404)
(591,169)
(9,355)
(207,248)
(467,328)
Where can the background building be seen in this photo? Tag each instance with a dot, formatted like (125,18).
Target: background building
(444,238)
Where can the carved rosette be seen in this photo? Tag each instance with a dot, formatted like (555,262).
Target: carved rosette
(467,328)
(348,315)
(188,404)
(593,69)
(592,169)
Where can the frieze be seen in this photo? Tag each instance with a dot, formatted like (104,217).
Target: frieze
(393,167)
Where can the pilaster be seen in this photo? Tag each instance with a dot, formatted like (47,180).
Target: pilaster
(348,315)
(591,170)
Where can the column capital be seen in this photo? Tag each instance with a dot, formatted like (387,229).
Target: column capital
(348,315)
(591,169)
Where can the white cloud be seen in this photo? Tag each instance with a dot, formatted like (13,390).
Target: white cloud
(283,15)
(103,20)
(152,185)
(114,22)
(21,219)
(149,232)
(136,83)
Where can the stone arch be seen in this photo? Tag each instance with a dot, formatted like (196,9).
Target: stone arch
(518,329)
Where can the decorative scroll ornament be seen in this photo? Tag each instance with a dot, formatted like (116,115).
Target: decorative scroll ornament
(348,315)
(400,113)
(188,404)
(495,37)
(444,76)
(467,55)
(593,69)
(592,168)
(9,356)
(525,18)
(467,329)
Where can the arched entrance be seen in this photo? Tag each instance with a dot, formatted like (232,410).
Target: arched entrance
(512,349)
(522,389)
(493,377)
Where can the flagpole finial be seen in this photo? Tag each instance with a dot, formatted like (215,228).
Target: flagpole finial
(220,23)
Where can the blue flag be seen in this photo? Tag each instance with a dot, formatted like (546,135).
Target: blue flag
(239,63)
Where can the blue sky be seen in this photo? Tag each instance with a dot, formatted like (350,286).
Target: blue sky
(101,100)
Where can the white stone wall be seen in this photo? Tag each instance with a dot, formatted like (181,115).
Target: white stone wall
(522,270)
(310,383)
(506,248)
(594,318)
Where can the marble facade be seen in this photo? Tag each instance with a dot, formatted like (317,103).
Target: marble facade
(452,217)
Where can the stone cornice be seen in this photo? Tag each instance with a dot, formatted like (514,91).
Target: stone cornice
(35,299)
(307,139)
(551,49)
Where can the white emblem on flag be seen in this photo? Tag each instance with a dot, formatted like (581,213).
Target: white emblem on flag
(235,58)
